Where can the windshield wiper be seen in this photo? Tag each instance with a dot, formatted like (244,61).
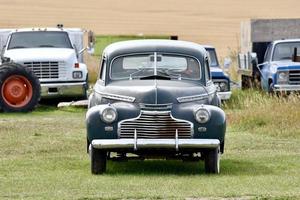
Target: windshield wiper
(168,73)
(141,69)
(155,77)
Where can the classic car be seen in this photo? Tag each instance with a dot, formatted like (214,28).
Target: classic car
(155,98)
(219,77)
(279,73)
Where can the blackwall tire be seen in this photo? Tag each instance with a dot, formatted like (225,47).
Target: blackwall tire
(212,161)
(98,161)
(20,89)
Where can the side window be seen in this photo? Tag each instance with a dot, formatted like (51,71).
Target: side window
(207,70)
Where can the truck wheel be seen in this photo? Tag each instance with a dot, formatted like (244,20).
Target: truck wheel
(98,161)
(20,89)
(212,161)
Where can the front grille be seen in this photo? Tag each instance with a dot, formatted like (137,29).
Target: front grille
(155,125)
(294,77)
(44,70)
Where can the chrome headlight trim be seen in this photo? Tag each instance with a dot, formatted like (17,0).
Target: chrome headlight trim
(202,115)
(117,97)
(109,114)
(283,77)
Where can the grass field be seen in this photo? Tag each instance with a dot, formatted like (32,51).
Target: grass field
(211,22)
(43,157)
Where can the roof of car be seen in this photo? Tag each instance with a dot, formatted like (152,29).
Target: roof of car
(154,45)
(43,29)
(286,40)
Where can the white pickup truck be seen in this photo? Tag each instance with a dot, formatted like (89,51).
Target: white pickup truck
(53,54)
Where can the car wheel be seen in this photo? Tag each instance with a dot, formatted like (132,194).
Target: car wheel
(20,89)
(271,88)
(98,161)
(212,161)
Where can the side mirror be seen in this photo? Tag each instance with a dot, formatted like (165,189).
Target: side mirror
(227,63)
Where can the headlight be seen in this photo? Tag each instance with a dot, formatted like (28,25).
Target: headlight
(223,87)
(109,115)
(77,75)
(202,115)
(283,77)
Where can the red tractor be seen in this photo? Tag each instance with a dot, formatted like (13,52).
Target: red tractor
(19,88)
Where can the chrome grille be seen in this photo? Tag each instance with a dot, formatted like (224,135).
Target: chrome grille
(294,77)
(44,70)
(155,125)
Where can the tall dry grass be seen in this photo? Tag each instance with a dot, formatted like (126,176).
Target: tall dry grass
(261,113)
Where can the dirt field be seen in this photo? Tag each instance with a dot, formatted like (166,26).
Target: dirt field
(213,22)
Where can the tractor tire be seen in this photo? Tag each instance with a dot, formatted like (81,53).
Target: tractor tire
(20,89)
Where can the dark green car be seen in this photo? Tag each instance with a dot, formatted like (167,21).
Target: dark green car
(155,98)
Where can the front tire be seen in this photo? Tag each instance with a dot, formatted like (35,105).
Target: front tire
(212,161)
(20,89)
(98,161)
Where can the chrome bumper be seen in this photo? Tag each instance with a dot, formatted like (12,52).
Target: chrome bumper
(136,144)
(283,88)
(53,90)
(224,95)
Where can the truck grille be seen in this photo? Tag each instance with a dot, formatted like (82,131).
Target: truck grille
(294,77)
(45,70)
(155,125)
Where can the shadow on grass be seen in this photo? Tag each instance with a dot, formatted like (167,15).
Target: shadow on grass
(163,167)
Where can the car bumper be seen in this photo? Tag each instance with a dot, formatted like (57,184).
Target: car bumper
(224,95)
(135,144)
(53,90)
(283,88)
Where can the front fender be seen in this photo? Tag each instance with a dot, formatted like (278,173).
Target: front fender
(97,129)
(215,128)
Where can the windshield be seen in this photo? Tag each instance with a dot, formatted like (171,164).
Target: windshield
(285,51)
(39,39)
(139,66)
(213,58)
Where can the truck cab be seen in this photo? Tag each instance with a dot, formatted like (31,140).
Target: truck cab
(53,54)
(220,79)
(279,72)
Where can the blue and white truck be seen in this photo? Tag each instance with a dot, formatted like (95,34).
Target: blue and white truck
(269,58)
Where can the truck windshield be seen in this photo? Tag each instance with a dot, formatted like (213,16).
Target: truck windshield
(213,58)
(141,66)
(39,39)
(285,51)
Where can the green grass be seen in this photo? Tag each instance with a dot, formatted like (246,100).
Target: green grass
(104,40)
(43,156)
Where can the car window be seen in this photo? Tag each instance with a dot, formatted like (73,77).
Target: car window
(141,65)
(39,39)
(285,51)
(213,58)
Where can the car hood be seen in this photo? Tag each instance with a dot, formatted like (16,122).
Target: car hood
(285,65)
(156,91)
(217,72)
(40,54)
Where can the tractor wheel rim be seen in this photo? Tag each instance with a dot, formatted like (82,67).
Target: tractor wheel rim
(17,91)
